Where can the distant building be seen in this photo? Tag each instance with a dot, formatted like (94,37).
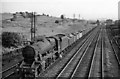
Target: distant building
(119,10)
(109,21)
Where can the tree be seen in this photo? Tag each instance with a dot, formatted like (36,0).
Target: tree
(11,39)
(98,22)
(22,14)
(48,15)
(14,17)
(56,21)
(62,16)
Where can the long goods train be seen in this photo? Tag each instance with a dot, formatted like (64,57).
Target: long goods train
(39,55)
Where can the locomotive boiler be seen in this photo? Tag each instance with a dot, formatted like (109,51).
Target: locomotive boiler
(38,56)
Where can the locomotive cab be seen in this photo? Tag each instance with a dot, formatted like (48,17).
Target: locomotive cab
(57,46)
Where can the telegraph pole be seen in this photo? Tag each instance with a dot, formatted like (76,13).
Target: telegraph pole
(73,16)
(33,22)
(79,16)
(31,18)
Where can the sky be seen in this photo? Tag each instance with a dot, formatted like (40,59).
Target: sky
(88,9)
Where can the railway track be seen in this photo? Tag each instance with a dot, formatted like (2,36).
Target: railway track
(10,63)
(9,71)
(102,56)
(111,53)
(105,64)
(63,64)
(102,63)
(115,45)
(71,68)
(115,52)
(96,66)
(109,31)
(9,67)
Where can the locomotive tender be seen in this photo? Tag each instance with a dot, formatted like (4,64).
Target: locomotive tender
(39,55)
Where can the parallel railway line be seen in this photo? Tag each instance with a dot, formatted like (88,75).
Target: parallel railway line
(102,57)
(94,62)
(112,40)
(6,73)
(112,55)
(98,67)
(76,59)
(76,71)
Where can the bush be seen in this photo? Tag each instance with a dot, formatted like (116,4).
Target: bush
(62,17)
(56,21)
(11,39)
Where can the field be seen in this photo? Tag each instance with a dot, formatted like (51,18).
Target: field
(45,25)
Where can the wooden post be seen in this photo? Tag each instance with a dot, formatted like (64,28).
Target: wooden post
(31,26)
(34,24)
(79,16)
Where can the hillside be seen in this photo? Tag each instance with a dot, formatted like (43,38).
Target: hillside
(45,25)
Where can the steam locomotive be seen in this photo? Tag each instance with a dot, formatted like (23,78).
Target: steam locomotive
(40,55)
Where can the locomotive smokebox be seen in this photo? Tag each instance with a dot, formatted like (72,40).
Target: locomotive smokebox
(28,53)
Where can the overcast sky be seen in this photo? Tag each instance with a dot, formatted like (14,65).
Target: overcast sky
(88,9)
